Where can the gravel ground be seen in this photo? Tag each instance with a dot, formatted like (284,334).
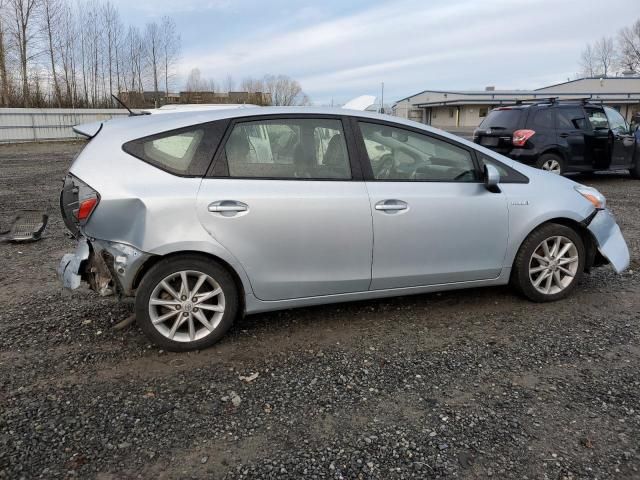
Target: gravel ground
(467,384)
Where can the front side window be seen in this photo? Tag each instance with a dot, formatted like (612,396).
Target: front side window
(288,149)
(597,119)
(398,154)
(616,121)
(507,174)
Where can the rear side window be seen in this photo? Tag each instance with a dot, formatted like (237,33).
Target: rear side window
(310,148)
(542,119)
(570,118)
(186,151)
(502,119)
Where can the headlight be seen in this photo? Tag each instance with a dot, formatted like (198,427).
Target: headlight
(593,195)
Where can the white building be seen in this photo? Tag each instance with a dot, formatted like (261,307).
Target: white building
(452,109)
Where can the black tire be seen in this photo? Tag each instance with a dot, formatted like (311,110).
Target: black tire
(520,276)
(197,265)
(635,169)
(549,158)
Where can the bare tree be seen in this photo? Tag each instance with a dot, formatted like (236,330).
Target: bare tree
(629,42)
(23,33)
(194,81)
(588,61)
(251,85)
(604,54)
(153,50)
(170,50)
(51,15)
(4,78)
(229,84)
(284,90)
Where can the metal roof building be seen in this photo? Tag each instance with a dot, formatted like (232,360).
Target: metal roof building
(467,108)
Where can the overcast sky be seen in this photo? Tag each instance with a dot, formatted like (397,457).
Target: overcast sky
(339,49)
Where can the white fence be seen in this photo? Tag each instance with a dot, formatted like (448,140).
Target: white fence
(43,124)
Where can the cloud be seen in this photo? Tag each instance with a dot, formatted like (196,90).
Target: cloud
(413,45)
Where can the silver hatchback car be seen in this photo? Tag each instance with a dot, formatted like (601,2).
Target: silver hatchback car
(205,216)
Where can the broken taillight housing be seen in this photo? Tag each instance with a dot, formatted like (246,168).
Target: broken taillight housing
(85,208)
(520,137)
(77,202)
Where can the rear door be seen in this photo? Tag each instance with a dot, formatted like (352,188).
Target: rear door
(571,128)
(623,140)
(283,198)
(496,130)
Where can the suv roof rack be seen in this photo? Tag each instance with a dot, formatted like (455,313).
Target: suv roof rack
(537,101)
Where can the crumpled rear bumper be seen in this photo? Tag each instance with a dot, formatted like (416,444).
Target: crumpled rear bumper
(611,243)
(108,267)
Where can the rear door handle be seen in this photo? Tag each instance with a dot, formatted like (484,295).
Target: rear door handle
(391,205)
(228,206)
(563,135)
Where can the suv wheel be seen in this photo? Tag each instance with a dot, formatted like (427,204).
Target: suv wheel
(635,169)
(549,264)
(186,303)
(551,163)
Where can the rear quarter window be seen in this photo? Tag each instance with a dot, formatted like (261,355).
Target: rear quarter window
(185,151)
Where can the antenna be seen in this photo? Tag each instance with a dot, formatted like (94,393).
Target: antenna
(131,113)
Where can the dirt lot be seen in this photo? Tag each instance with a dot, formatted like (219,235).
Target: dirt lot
(466,384)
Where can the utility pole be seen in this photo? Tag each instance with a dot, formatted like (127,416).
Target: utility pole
(382,99)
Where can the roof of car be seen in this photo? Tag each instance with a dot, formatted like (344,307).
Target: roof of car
(133,127)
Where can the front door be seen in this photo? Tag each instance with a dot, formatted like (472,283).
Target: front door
(286,203)
(434,222)
(623,139)
(599,141)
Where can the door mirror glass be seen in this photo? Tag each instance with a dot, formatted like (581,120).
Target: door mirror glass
(491,178)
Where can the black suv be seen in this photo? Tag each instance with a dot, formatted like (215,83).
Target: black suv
(561,136)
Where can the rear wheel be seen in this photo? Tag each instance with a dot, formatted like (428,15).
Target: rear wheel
(186,303)
(551,163)
(549,264)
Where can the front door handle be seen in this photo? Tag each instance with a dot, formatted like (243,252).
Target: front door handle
(564,135)
(391,206)
(228,206)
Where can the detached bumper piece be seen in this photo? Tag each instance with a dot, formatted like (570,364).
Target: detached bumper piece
(611,243)
(27,226)
(109,268)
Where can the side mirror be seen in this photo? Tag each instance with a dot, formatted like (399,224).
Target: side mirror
(491,178)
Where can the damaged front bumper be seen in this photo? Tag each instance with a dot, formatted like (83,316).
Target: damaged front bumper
(108,267)
(611,243)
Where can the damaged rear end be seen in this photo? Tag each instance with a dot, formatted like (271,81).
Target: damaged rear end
(107,267)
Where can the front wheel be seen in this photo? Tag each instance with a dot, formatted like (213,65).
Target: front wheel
(186,303)
(549,264)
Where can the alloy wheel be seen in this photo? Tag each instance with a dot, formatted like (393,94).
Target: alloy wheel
(552,166)
(553,265)
(186,306)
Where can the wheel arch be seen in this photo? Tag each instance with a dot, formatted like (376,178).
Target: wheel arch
(590,245)
(154,259)
(555,150)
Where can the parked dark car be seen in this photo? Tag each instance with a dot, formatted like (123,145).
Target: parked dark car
(562,136)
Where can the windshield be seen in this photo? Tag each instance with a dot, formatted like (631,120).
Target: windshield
(502,119)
